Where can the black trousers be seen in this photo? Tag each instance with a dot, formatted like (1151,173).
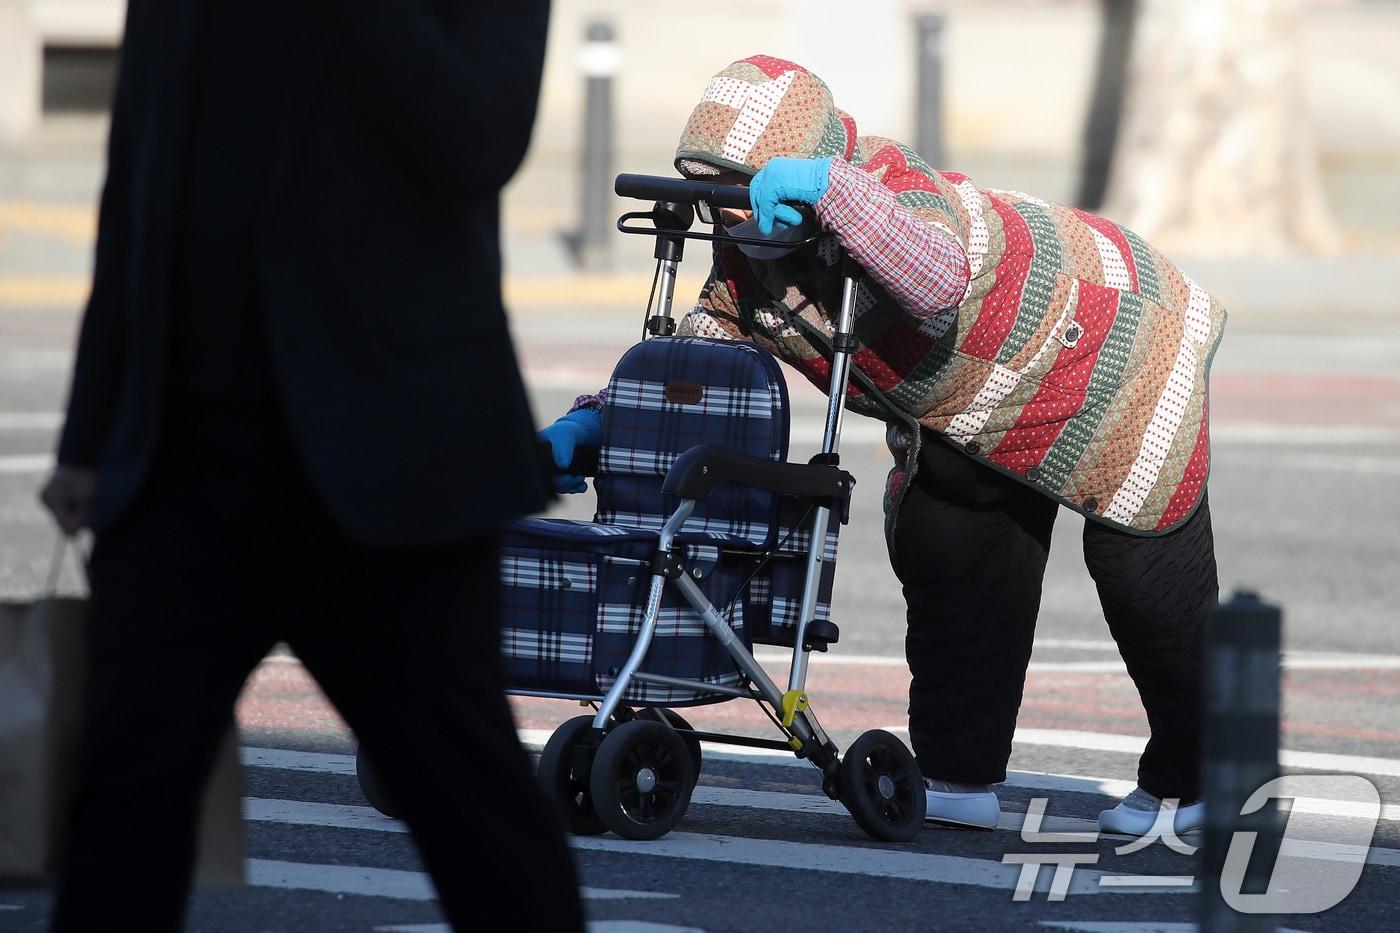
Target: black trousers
(226,552)
(971,548)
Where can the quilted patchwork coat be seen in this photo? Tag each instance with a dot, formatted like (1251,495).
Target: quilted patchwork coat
(1076,359)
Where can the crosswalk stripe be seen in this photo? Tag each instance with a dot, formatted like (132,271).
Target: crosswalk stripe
(386,882)
(848,859)
(844,859)
(30,420)
(25,463)
(594,926)
(342,816)
(1111,742)
(325,763)
(1132,926)
(341,879)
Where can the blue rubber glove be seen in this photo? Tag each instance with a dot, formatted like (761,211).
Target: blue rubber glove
(580,428)
(799,181)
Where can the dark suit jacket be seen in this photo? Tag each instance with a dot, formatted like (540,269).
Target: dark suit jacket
(378,261)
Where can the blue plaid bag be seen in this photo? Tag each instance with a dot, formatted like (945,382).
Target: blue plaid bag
(671,394)
(575,592)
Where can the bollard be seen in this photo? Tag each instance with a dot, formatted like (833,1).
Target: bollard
(599,61)
(929,98)
(1239,753)
(1106,105)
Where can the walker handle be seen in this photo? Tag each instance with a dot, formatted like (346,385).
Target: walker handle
(681,190)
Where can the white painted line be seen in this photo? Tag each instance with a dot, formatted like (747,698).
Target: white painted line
(341,879)
(30,420)
(639,926)
(857,860)
(1262,432)
(615,894)
(1126,926)
(24,463)
(1130,926)
(1111,787)
(1153,881)
(1321,463)
(1086,644)
(11,907)
(596,926)
(1109,742)
(847,859)
(287,760)
(1030,780)
(345,816)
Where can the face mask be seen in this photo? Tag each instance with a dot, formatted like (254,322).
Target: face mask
(783,239)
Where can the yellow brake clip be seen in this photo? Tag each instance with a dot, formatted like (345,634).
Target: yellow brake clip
(793,701)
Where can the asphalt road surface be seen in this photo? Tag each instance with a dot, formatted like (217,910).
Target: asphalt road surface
(1307,458)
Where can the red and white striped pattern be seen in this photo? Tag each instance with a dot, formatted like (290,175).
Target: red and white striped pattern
(1171,408)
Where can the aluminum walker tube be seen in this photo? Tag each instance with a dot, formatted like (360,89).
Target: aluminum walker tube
(648,629)
(831,444)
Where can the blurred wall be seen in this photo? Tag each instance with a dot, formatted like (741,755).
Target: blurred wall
(1017,77)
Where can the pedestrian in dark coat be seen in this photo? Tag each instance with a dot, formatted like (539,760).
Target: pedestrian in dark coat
(294,347)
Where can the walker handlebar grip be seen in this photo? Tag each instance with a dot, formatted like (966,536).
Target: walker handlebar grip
(682,190)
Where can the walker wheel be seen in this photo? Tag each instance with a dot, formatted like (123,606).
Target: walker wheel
(568,791)
(370,786)
(882,787)
(642,779)
(678,722)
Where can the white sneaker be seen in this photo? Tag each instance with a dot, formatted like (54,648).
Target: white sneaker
(1137,814)
(961,804)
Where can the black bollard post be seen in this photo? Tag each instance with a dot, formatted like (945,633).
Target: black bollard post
(929,99)
(1106,105)
(600,61)
(1239,754)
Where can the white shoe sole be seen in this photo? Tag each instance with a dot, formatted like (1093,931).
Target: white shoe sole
(1126,821)
(980,811)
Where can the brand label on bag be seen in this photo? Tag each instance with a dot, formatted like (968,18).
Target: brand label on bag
(679,392)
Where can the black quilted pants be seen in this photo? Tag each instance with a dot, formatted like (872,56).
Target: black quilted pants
(971,549)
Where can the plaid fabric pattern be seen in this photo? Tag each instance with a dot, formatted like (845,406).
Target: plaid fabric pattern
(681,646)
(773,600)
(573,596)
(575,592)
(669,394)
(549,599)
(921,266)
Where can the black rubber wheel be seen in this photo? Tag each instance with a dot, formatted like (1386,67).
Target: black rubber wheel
(882,787)
(678,721)
(370,786)
(642,779)
(556,774)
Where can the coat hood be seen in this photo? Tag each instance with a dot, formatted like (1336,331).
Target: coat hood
(758,108)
